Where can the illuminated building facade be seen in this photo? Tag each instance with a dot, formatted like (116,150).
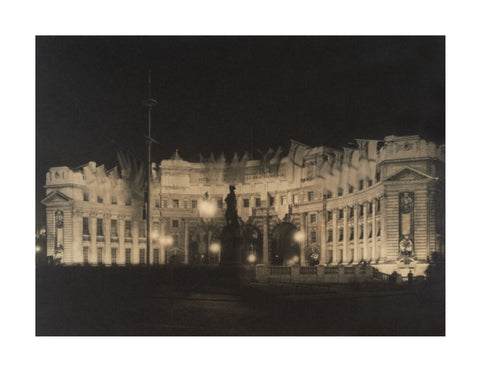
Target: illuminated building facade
(381,203)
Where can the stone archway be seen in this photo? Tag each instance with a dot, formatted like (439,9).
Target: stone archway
(284,248)
(252,244)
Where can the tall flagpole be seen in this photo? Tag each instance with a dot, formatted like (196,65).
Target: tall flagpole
(149,103)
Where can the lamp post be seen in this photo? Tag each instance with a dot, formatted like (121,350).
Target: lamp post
(207,209)
(149,103)
(165,241)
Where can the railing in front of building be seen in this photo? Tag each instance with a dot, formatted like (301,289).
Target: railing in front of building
(320,273)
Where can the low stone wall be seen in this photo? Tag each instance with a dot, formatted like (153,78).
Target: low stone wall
(319,274)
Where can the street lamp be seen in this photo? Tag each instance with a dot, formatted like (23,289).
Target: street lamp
(207,210)
(215,249)
(165,241)
(299,236)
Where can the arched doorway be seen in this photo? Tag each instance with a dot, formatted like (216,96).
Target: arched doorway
(252,244)
(285,251)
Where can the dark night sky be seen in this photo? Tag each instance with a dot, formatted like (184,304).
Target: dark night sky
(213,90)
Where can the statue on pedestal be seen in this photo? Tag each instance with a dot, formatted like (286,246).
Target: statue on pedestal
(231,233)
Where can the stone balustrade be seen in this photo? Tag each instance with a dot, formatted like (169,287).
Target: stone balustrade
(318,274)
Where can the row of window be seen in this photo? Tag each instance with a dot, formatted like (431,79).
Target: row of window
(113,199)
(313,234)
(113,228)
(341,257)
(114,255)
(351,212)
(128,227)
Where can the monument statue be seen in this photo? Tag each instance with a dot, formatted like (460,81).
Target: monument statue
(231,233)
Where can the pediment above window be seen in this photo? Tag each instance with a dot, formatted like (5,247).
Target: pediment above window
(409,174)
(56,197)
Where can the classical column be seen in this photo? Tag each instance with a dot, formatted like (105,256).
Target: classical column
(374,230)
(383,229)
(163,250)
(265,239)
(336,256)
(186,240)
(346,235)
(355,232)
(303,224)
(366,254)
(323,237)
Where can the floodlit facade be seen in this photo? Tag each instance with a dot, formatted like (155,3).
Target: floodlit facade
(381,203)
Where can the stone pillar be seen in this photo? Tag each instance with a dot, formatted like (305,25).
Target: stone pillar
(366,254)
(323,237)
(346,235)
(355,231)
(186,240)
(383,229)
(336,255)
(265,240)
(163,250)
(303,224)
(374,230)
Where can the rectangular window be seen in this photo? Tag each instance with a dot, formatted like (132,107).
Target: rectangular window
(361,232)
(220,203)
(313,218)
(330,256)
(284,200)
(175,240)
(313,236)
(378,205)
(310,196)
(86,230)
(128,256)
(369,182)
(340,214)
(340,255)
(271,200)
(85,254)
(329,194)
(377,176)
(114,231)
(175,223)
(99,227)
(340,234)
(128,201)
(246,202)
(165,204)
(350,189)
(176,204)
(340,192)
(100,199)
(142,256)
(258,202)
(352,233)
(360,185)
(157,204)
(360,209)
(352,212)
(185,204)
(156,256)
(114,256)
(378,229)
(99,255)
(370,208)
(329,215)
(85,196)
(295,199)
(370,231)
(114,200)
(194,204)
(141,228)
(128,228)
(330,235)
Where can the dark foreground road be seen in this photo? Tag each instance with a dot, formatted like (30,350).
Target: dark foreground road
(111,303)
